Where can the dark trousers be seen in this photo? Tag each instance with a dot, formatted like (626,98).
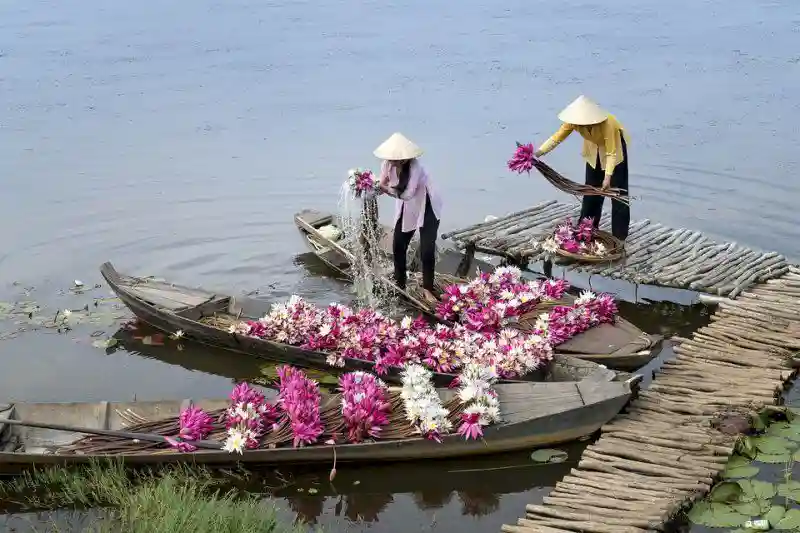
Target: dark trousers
(427,248)
(593,205)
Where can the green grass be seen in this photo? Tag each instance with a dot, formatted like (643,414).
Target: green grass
(178,500)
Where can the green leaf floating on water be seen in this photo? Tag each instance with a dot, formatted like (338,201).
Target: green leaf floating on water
(774,458)
(716,515)
(739,467)
(105,343)
(790,489)
(775,514)
(551,456)
(752,489)
(773,445)
(785,430)
(727,491)
(789,521)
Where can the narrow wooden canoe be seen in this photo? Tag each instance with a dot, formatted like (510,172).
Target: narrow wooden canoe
(534,415)
(170,308)
(621,346)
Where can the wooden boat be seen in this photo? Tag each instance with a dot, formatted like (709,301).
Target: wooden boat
(621,346)
(533,415)
(170,308)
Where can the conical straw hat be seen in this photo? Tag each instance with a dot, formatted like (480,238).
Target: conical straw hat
(583,112)
(397,148)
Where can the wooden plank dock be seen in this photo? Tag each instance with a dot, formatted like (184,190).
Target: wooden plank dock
(655,254)
(664,452)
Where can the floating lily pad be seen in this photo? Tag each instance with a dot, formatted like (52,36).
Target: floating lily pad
(105,343)
(790,490)
(716,515)
(774,458)
(727,491)
(739,467)
(785,430)
(775,514)
(550,456)
(752,489)
(773,445)
(789,521)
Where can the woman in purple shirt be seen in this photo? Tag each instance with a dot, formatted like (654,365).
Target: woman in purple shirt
(418,207)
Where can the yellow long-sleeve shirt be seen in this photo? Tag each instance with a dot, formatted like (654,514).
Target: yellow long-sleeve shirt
(607,134)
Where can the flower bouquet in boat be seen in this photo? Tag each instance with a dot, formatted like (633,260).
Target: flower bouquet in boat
(364,421)
(363,410)
(582,242)
(524,159)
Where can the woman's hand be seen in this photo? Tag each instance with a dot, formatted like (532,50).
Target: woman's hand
(606,182)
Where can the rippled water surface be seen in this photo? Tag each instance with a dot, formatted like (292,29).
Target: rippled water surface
(177,139)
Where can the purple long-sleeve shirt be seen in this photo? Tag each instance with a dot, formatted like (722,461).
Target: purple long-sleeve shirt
(412,202)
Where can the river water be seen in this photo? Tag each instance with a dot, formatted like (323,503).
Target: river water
(179,139)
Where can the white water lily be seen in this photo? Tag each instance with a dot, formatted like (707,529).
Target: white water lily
(235,441)
(550,245)
(66,313)
(585,297)
(406,322)
(178,334)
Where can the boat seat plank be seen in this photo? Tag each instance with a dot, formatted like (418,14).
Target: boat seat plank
(173,299)
(315,218)
(248,307)
(594,391)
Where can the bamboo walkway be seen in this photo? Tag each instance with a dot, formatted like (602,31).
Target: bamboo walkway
(663,453)
(655,254)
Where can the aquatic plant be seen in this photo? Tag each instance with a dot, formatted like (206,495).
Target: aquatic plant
(365,405)
(195,424)
(752,504)
(480,400)
(362,182)
(300,398)
(424,409)
(173,500)
(248,418)
(523,158)
(369,335)
(575,239)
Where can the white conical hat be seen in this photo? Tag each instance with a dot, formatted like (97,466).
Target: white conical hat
(583,112)
(397,148)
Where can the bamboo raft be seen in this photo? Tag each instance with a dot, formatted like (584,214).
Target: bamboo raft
(655,254)
(664,452)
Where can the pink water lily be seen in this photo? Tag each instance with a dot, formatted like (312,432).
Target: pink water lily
(365,405)
(300,398)
(523,159)
(195,424)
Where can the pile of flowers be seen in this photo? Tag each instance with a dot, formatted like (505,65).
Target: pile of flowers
(476,393)
(424,409)
(362,182)
(248,418)
(368,335)
(523,158)
(491,301)
(365,405)
(195,424)
(564,322)
(575,239)
(299,397)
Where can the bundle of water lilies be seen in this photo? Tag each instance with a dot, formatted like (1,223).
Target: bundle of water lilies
(582,242)
(494,301)
(524,159)
(366,334)
(364,409)
(362,182)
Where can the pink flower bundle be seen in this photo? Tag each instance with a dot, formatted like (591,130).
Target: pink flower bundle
(362,181)
(365,405)
(578,239)
(248,418)
(195,424)
(300,398)
(491,301)
(523,158)
(589,310)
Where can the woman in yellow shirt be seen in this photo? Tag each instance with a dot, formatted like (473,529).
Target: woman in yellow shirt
(601,132)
